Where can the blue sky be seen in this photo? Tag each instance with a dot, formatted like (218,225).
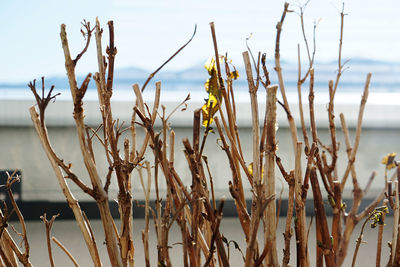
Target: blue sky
(148,32)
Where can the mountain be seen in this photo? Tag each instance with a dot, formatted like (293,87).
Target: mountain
(385,76)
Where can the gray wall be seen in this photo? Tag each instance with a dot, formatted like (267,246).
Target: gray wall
(20,148)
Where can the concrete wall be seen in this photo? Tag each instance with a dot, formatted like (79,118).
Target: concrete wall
(20,148)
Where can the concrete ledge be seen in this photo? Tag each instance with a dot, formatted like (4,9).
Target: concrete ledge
(381,111)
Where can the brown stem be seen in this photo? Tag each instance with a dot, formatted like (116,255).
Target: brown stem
(359,240)
(340,65)
(352,219)
(300,211)
(72,202)
(396,217)
(337,216)
(14,247)
(215,233)
(287,235)
(146,190)
(245,223)
(269,177)
(199,191)
(310,159)
(104,98)
(9,183)
(168,60)
(311,106)
(232,129)
(258,190)
(380,233)
(358,129)
(332,127)
(320,214)
(278,69)
(319,250)
(5,259)
(255,119)
(111,51)
(49,225)
(211,182)
(63,248)
(299,85)
(88,36)
(397,253)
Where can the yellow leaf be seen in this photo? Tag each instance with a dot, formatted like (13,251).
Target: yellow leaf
(234,75)
(389,161)
(250,169)
(208,110)
(210,65)
(211,86)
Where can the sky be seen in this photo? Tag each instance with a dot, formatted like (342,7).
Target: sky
(148,32)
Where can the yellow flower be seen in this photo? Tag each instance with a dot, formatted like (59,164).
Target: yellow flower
(389,161)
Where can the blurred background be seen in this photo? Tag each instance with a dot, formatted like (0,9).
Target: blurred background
(147,33)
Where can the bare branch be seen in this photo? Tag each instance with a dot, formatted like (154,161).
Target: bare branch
(49,225)
(168,60)
(63,248)
(87,34)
